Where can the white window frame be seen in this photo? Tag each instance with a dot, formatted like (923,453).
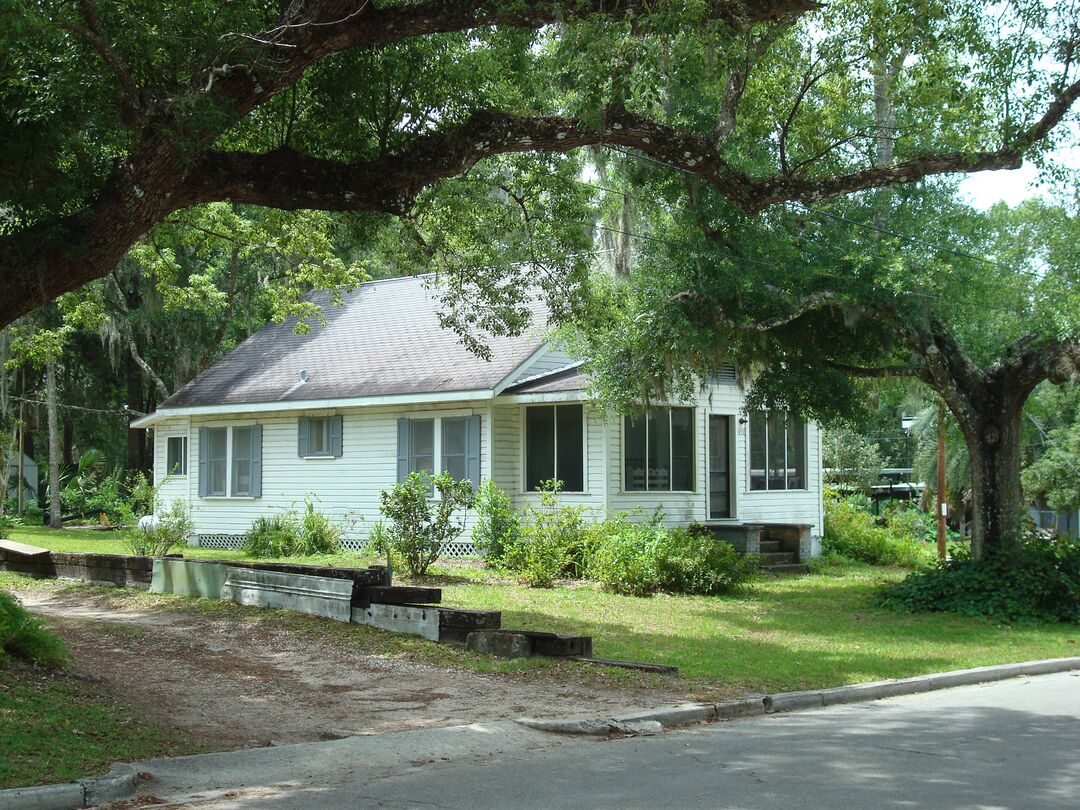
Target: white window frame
(584,446)
(185,457)
(693,466)
(229,462)
(750,463)
(436,439)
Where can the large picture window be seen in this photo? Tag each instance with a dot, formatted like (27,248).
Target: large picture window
(658,451)
(777,451)
(554,446)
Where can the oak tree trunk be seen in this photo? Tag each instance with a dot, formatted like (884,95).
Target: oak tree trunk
(993,445)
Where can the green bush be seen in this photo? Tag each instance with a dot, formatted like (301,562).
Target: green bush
(421,526)
(851,532)
(157,538)
(22,636)
(273,535)
(1035,580)
(642,558)
(551,541)
(289,534)
(497,524)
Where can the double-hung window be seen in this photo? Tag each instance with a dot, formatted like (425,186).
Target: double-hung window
(230,461)
(658,451)
(435,445)
(318,437)
(555,446)
(176,455)
(777,451)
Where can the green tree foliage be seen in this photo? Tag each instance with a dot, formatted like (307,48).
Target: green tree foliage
(850,459)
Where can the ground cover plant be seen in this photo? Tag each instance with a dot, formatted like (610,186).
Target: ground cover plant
(23,638)
(293,534)
(1036,580)
(853,533)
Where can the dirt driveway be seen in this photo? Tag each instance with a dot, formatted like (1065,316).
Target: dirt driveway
(235,683)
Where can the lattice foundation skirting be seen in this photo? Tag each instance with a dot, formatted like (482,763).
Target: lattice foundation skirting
(460,548)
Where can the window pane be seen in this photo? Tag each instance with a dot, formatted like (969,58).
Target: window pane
(719,467)
(422,446)
(570,457)
(634,453)
(757,450)
(539,445)
(453,448)
(682,449)
(796,453)
(241,481)
(217,450)
(659,449)
(318,436)
(176,456)
(776,450)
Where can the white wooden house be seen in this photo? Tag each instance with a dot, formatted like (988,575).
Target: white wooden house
(346,410)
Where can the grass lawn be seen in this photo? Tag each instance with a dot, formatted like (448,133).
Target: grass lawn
(790,633)
(54,728)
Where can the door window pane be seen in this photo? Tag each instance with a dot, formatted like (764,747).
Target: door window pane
(570,454)
(682,449)
(539,445)
(634,453)
(757,450)
(719,467)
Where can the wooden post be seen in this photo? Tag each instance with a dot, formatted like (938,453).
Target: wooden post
(21,475)
(941,506)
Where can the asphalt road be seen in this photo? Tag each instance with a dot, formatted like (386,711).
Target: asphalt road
(1011,744)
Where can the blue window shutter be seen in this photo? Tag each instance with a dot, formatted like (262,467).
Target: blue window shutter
(472,450)
(404,434)
(303,430)
(204,474)
(335,436)
(256,461)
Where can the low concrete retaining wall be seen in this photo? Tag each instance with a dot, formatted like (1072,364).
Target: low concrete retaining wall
(106,569)
(189,578)
(320,596)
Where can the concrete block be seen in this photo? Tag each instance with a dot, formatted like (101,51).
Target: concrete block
(320,596)
(502,643)
(395,595)
(188,578)
(562,646)
(415,620)
(109,789)
(43,797)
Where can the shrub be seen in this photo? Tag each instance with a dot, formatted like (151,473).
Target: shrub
(551,541)
(695,561)
(22,636)
(497,524)
(1033,581)
(421,526)
(288,534)
(850,532)
(162,533)
(638,559)
(272,535)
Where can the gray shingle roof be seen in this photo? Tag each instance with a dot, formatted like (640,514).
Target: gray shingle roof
(384,340)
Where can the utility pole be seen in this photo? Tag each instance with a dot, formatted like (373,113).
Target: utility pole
(941,505)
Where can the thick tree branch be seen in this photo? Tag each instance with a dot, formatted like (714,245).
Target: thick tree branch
(916,370)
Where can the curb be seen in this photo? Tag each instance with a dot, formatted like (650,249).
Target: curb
(72,795)
(650,722)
